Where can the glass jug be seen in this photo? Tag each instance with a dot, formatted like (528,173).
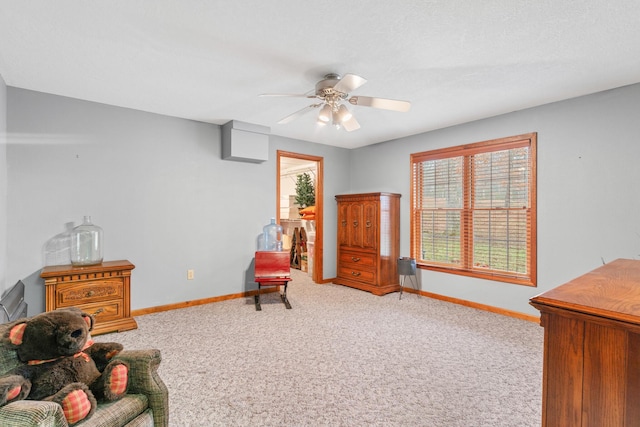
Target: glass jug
(86,244)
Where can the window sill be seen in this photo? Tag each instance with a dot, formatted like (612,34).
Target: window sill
(524,281)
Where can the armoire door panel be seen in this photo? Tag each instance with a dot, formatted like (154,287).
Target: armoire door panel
(563,363)
(355,225)
(369,226)
(632,413)
(343,225)
(604,386)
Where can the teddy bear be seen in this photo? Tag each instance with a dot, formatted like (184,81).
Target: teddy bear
(62,364)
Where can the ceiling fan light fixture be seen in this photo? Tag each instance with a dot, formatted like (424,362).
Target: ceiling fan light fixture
(335,117)
(344,114)
(325,113)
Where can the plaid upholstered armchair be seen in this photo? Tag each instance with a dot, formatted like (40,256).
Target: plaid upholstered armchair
(146,403)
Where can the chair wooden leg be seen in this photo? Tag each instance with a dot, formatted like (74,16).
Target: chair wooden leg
(256,298)
(284,297)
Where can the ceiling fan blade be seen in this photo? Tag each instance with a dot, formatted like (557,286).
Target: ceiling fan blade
(351,124)
(349,83)
(293,116)
(297,95)
(386,104)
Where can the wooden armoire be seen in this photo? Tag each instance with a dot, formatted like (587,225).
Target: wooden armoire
(369,241)
(591,370)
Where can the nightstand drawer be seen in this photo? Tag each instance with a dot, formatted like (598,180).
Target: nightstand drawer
(82,293)
(104,311)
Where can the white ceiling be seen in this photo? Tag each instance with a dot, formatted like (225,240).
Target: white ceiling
(455,60)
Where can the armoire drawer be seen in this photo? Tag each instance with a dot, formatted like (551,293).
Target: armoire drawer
(366,276)
(357,259)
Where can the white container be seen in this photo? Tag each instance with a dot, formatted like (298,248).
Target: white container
(311,254)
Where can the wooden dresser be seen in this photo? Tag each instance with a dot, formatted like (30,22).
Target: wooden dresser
(592,348)
(102,290)
(369,241)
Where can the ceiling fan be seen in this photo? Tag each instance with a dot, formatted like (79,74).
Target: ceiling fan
(332,91)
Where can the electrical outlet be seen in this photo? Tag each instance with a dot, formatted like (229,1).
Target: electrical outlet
(189,274)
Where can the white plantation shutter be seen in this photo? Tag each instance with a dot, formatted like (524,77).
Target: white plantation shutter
(473,209)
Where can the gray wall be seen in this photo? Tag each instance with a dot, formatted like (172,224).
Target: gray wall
(168,203)
(3,186)
(155,184)
(588,201)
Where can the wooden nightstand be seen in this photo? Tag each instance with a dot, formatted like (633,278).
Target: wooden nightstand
(102,290)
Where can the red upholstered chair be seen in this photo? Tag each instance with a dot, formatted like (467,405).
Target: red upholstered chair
(272,269)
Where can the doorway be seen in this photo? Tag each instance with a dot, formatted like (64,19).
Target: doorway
(289,167)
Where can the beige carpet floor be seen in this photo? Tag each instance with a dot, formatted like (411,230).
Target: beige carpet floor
(344,357)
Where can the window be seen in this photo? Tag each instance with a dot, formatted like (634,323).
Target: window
(473,209)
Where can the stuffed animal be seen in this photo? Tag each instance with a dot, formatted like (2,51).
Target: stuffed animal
(62,364)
